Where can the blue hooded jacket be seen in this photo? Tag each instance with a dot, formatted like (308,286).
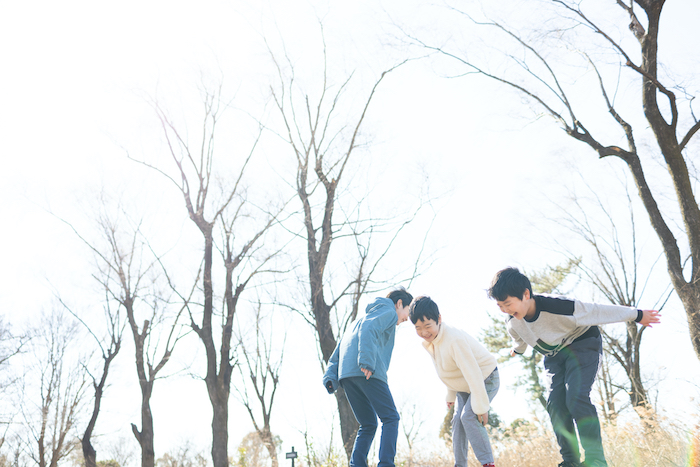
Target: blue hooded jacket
(368,345)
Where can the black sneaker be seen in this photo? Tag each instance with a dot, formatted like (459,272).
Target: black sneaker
(569,464)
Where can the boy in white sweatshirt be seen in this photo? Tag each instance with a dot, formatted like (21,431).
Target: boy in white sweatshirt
(470,374)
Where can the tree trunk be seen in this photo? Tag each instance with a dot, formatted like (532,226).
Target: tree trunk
(219,428)
(145,436)
(266,437)
(535,388)
(638,394)
(42,437)
(671,150)
(218,380)
(348,422)
(148,459)
(690,297)
(327,342)
(89,453)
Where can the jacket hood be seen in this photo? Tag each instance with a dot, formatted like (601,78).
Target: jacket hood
(377,305)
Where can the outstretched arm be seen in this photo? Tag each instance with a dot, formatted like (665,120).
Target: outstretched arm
(650,317)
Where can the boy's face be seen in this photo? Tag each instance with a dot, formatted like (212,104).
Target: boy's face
(402,312)
(428,329)
(517,308)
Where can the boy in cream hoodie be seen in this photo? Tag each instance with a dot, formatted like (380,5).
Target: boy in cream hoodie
(470,374)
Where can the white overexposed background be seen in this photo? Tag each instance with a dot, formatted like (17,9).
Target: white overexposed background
(74,89)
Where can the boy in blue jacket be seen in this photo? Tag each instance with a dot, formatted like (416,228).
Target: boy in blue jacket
(359,364)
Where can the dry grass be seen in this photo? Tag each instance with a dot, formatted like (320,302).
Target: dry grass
(647,441)
(650,443)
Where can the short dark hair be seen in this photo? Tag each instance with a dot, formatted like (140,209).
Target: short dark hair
(399,293)
(509,282)
(422,309)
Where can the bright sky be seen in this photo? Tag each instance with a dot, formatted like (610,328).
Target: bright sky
(72,103)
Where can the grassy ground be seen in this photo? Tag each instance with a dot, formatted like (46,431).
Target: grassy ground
(532,444)
(647,441)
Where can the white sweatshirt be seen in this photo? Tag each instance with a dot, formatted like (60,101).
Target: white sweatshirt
(558,321)
(463,364)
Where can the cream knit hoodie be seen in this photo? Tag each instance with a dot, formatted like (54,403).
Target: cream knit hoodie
(463,364)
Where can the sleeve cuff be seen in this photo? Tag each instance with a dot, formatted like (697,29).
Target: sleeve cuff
(330,385)
(640,315)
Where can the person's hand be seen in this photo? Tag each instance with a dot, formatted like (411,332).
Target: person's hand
(650,317)
(483,418)
(512,353)
(450,405)
(367,372)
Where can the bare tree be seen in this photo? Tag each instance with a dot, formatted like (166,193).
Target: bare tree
(184,456)
(324,147)
(541,80)
(242,249)
(260,367)
(11,345)
(615,272)
(98,384)
(115,332)
(52,423)
(607,391)
(128,272)
(252,452)
(412,421)
(120,451)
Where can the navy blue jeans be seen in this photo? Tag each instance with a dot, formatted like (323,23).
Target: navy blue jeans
(570,375)
(370,398)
